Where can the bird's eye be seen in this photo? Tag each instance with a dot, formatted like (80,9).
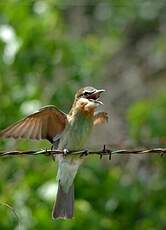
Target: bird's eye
(86,93)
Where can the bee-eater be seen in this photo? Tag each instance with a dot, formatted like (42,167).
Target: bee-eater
(66,132)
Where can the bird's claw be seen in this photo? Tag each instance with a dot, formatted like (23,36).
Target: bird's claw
(65,152)
(84,153)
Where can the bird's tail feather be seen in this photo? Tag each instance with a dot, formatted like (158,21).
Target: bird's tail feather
(64,203)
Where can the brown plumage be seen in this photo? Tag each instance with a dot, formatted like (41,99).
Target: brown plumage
(44,124)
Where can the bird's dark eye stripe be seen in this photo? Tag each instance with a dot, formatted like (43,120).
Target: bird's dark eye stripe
(87,93)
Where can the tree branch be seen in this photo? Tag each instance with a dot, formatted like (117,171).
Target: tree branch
(101,153)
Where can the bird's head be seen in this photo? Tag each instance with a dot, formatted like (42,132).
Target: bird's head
(87,99)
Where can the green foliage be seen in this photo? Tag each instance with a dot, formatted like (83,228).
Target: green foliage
(147,119)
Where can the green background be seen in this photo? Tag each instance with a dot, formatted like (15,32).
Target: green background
(48,50)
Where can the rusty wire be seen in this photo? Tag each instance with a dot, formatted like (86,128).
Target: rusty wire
(103,152)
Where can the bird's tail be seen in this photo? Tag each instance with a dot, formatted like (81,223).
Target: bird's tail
(64,203)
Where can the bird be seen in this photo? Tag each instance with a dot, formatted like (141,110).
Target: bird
(66,132)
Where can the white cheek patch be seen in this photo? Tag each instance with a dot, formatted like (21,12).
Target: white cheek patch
(90,106)
(86,104)
(83,100)
(81,103)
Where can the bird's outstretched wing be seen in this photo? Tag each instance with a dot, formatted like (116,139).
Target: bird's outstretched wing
(43,124)
(100,117)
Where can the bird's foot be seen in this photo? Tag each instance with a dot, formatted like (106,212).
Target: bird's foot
(65,152)
(84,153)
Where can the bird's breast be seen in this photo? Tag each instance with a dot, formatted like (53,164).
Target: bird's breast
(77,132)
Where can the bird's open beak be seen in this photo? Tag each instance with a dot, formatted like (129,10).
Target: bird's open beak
(95,96)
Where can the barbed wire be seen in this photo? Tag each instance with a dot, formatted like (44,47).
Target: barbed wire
(103,152)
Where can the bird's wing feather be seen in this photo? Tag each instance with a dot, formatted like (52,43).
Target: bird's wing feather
(44,124)
(100,117)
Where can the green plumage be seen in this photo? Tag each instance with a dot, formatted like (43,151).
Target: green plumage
(74,137)
(77,132)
